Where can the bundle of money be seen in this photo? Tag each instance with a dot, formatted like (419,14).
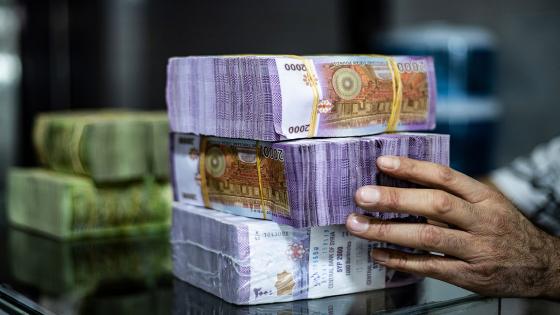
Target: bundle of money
(68,206)
(272,98)
(237,146)
(301,183)
(230,256)
(108,146)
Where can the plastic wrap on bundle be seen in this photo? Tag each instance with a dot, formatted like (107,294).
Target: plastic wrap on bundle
(250,261)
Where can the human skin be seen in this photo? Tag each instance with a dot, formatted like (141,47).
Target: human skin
(489,246)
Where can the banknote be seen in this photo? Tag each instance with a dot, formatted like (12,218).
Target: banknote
(272,98)
(300,183)
(229,174)
(232,175)
(361,95)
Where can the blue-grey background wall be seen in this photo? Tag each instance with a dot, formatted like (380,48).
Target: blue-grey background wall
(528,78)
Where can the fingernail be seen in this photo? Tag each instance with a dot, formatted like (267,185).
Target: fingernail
(388,162)
(379,255)
(357,223)
(368,194)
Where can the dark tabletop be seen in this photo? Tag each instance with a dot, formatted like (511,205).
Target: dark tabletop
(132,276)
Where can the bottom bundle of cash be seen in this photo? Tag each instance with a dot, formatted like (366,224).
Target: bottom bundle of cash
(67,206)
(301,183)
(250,261)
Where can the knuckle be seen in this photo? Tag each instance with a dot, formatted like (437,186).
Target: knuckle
(458,242)
(406,166)
(392,199)
(442,203)
(399,261)
(409,169)
(380,229)
(484,274)
(445,174)
(469,271)
(493,250)
(429,267)
(430,236)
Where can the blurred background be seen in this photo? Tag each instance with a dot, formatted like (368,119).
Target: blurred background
(498,86)
(497,60)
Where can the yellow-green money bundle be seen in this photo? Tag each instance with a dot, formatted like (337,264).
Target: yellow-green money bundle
(105,175)
(108,146)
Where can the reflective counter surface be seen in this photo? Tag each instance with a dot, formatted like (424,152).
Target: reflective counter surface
(133,276)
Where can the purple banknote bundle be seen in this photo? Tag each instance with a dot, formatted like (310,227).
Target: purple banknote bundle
(301,183)
(267,153)
(251,261)
(272,98)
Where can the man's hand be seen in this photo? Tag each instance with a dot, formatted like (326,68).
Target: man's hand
(492,248)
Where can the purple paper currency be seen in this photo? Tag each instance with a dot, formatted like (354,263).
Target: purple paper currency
(272,98)
(301,183)
(251,261)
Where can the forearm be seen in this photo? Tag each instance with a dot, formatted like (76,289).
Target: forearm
(551,290)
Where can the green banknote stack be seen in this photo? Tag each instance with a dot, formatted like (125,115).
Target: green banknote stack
(105,174)
(108,146)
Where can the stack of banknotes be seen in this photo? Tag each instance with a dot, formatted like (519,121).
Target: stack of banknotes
(275,203)
(105,174)
(108,146)
(250,261)
(272,98)
(303,183)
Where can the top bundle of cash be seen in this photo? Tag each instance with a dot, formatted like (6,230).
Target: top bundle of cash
(108,146)
(273,98)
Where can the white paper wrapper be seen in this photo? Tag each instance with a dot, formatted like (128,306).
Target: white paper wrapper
(252,261)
